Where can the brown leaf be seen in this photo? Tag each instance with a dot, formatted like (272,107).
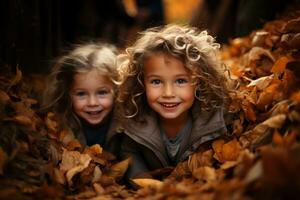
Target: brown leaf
(205,173)
(249,111)
(72,163)
(59,176)
(98,188)
(4,98)
(74,145)
(277,138)
(199,159)
(257,52)
(22,120)
(51,122)
(292,26)
(3,160)
(254,173)
(118,170)
(276,121)
(15,80)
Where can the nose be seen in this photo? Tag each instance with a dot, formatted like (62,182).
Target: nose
(168,90)
(93,100)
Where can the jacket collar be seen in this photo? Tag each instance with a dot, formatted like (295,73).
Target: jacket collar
(204,124)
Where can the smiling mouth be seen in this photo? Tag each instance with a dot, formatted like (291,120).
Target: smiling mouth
(169,105)
(94,112)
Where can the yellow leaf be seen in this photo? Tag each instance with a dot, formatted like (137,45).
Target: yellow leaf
(228,164)
(205,173)
(144,182)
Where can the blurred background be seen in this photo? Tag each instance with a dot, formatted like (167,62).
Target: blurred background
(36,32)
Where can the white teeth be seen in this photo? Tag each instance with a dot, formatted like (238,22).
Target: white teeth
(93,112)
(169,105)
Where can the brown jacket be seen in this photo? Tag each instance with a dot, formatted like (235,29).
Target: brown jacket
(144,144)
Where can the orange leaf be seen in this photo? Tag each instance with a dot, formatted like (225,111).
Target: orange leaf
(73,145)
(93,150)
(277,138)
(217,147)
(66,136)
(231,150)
(249,112)
(264,99)
(296,96)
(280,65)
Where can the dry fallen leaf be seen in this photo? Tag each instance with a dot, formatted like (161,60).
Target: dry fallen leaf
(148,183)
(119,169)
(3,160)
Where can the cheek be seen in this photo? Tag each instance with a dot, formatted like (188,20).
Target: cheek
(151,93)
(107,103)
(76,103)
(188,94)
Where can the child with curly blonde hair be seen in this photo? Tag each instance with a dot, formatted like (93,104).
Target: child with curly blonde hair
(173,94)
(81,90)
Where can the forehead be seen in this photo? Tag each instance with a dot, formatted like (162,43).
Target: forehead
(164,63)
(91,78)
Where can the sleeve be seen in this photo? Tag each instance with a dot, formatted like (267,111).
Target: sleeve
(130,148)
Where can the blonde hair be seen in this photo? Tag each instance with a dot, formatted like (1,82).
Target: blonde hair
(196,49)
(83,58)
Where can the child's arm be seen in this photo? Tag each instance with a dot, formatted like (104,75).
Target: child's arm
(138,167)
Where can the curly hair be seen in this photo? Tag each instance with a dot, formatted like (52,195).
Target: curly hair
(83,58)
(196,49)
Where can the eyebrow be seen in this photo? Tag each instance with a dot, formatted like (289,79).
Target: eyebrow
(178,75)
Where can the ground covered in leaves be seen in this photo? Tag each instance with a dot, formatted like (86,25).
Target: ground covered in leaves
(260,160)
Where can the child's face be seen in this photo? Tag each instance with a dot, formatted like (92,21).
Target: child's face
(92,96)
(169,87)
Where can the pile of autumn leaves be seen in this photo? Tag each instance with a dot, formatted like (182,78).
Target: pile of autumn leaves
(39,161)
(259,160)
